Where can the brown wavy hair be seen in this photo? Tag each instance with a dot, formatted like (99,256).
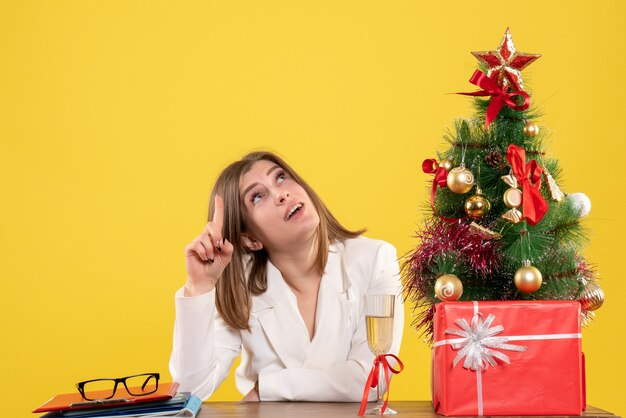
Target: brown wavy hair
(246,275)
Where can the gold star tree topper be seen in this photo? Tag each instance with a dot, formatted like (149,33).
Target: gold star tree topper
(505,63)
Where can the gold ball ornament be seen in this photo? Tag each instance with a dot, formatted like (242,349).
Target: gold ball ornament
(512,198)
(477,206)
(531,130)
(528,278)
(446,164)
(592,297)
(448,288)
(460,180)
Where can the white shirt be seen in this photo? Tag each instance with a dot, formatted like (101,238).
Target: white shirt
(333,366)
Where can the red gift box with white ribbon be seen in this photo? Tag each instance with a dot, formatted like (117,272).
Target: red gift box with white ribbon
(508,358)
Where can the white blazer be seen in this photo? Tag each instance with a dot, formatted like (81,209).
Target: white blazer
(333,366)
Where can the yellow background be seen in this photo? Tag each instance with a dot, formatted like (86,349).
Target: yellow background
(116,116)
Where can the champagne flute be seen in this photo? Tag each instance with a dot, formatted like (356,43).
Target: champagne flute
(379,318)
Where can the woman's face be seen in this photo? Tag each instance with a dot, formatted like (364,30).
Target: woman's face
(279,212)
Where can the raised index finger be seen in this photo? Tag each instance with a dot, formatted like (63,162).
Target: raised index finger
(218,212)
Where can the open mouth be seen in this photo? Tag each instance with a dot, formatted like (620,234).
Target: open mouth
(295,209)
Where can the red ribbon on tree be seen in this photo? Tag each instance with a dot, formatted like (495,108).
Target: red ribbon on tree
(372,379)
(430,166)
(499,96)
(534,206)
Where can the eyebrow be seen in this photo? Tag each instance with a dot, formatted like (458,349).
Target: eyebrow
(253,185)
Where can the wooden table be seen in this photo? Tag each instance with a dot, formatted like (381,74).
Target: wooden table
(416,409)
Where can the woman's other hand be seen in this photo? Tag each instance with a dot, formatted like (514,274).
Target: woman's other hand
(208,255)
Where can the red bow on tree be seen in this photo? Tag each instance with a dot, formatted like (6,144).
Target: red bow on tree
(441,179)
(499,96)
(534,206)
(430,166)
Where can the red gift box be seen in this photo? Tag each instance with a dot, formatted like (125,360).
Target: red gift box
(508,358)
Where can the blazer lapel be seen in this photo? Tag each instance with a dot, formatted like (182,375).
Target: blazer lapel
(277,312)
(334,314)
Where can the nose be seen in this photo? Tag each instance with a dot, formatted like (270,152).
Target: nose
(282,197)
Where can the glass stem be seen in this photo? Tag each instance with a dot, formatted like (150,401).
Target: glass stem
(380,387)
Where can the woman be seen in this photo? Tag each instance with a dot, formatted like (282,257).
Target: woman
(274,277)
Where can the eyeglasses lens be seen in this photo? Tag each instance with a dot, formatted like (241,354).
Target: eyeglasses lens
(99,389)
(141,385)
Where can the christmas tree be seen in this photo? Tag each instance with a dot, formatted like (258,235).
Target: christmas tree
(498,226)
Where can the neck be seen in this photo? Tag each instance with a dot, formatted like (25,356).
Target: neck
(297,265)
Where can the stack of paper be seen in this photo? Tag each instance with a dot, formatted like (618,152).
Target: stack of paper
(165,402)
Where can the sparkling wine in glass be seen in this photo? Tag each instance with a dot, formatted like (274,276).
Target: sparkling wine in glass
(379,319)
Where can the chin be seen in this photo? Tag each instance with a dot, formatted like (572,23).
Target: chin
(304,231)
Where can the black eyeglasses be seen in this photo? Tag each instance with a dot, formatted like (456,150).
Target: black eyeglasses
(136,385)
